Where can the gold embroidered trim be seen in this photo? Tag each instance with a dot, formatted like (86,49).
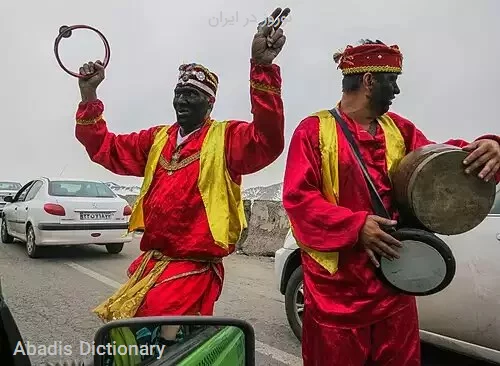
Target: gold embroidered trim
(88,121)
(209,73)
(361,69)
(265,87)
(174,165)
(219,275)
(182,275)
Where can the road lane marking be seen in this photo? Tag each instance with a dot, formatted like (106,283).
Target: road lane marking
(277,354)
(262,348)
(95,275)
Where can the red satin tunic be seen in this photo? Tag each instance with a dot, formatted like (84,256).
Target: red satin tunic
(174,215)
(354,296)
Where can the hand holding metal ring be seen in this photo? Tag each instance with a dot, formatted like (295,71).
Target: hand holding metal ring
(66,32)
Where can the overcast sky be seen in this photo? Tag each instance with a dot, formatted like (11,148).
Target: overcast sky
(449,87)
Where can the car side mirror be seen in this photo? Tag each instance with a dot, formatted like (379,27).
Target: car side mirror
(8,199)
(174,340)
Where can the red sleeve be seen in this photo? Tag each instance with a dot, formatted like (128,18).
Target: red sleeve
(122,154)
(253,146)
(414,138)
(317,223)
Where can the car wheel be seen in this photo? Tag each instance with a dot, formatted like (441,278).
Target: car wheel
(6,238)
(294,301)
(32,249)
(114,248)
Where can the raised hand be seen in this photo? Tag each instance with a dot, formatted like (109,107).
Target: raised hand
(269,39)
(92,81)
(94,75)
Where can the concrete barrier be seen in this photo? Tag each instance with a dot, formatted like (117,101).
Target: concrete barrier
(130,198)
(267,227)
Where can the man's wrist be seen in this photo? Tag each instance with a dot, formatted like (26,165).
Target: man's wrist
(88,95)
(258,62)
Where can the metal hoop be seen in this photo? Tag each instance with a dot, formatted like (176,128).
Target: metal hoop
(66,32)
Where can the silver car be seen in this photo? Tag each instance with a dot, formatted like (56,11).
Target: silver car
(463,318)
(8,189)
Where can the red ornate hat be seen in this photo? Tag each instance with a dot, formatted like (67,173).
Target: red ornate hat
(199,77)
(370,57)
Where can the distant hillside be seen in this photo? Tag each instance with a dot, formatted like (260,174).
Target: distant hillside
(270,193)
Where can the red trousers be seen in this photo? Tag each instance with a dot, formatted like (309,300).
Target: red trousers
(184,288)
(394,341)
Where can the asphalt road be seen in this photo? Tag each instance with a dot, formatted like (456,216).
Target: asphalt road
(52,297)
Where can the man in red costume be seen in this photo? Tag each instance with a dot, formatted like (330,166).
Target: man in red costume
(351,318)
(190,205)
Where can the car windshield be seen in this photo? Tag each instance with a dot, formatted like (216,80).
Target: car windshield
(10,186)
(79,189)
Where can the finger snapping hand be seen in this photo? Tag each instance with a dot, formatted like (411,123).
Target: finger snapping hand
(269,39)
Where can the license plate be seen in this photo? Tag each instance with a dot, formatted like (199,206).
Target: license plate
(95,216)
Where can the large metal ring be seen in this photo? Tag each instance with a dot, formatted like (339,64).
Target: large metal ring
(66,32)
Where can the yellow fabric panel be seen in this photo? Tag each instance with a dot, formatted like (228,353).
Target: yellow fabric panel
(329,155)
(330,176)
(395,143)
(137,218)
(221,196)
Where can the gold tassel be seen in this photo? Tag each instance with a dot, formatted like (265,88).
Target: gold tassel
(125,302)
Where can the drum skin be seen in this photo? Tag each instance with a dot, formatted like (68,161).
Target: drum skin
(389,270)
(433,192)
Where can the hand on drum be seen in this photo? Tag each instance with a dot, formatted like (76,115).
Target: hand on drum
(376,241)
(484,153)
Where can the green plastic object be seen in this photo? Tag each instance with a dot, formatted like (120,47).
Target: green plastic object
(225,348)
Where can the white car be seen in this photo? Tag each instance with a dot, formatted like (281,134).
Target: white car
(51,212)
(463,318)
(8,189)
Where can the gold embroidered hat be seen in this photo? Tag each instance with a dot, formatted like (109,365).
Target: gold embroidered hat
(371,57)
(199,77)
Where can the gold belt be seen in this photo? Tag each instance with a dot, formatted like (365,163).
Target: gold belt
(125,302)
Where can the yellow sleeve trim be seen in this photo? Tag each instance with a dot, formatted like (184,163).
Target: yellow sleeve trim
(265,87)
(88,121)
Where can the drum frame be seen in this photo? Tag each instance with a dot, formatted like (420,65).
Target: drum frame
(433,241)
(66,32)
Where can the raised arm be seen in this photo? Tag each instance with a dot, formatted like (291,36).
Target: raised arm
(317,223)
(253,146)
(122,154)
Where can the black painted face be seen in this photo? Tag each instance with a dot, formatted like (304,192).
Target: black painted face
(191,107)
(384,90)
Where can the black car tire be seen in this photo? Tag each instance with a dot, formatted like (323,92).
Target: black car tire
(6,238)
(32,249)
(114,248)
(292,288)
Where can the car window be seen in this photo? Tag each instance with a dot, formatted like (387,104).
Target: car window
(33,190)
(21,194)
(80,189)
(496,206)
(10,186)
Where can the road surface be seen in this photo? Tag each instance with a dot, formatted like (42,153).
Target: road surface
(52,297)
